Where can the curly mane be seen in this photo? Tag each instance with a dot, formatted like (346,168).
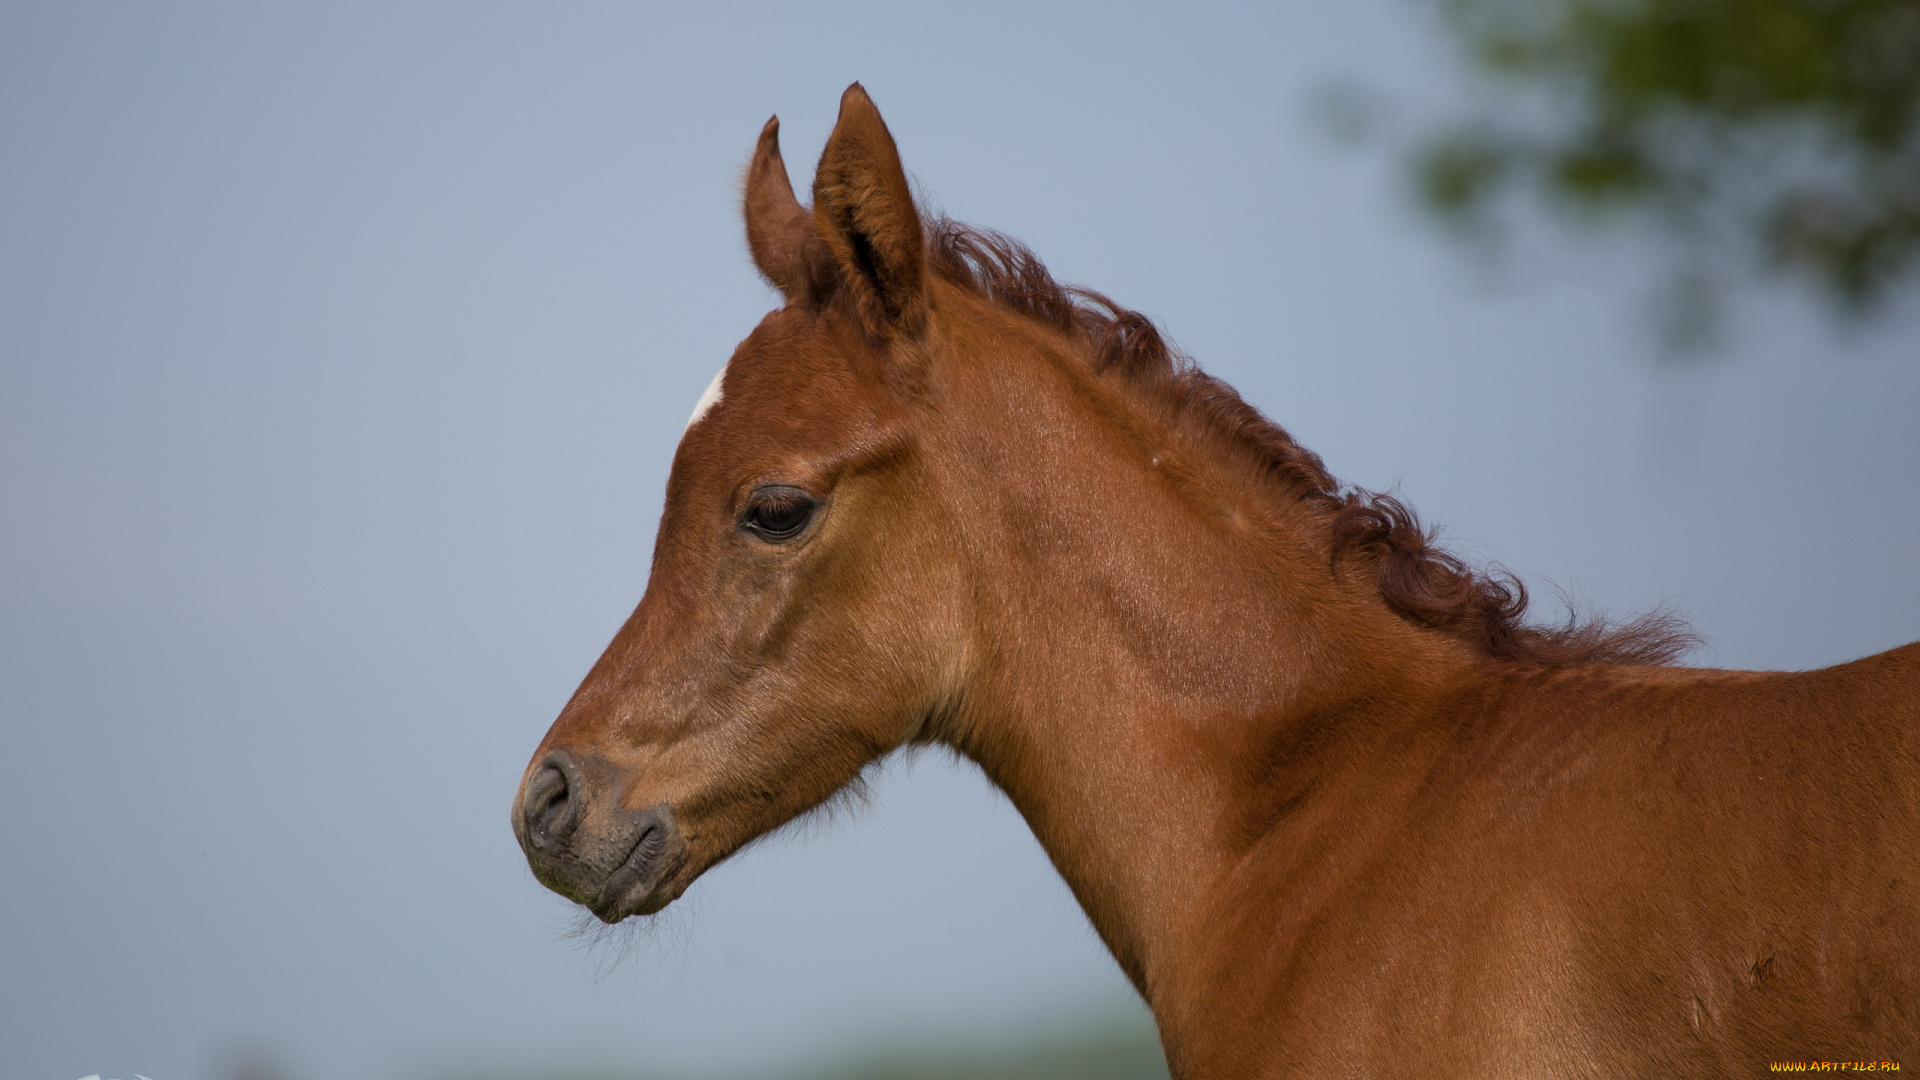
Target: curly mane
(1419,580)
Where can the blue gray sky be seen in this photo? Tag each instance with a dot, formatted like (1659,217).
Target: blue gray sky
(342,352)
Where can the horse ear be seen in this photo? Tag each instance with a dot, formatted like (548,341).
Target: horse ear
(780,232)
(865,212)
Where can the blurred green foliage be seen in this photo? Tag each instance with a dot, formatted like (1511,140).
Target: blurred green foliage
(1782,134)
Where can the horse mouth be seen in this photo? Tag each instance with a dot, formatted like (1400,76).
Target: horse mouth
(640,884)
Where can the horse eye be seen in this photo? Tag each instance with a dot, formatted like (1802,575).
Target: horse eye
(778,514)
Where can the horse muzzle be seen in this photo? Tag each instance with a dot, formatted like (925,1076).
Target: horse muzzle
(585,844)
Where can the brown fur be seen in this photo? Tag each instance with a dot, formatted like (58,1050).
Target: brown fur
(1335,807)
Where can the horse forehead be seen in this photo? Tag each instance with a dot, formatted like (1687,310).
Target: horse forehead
(794,384)
(793,367)
(773,340)
(708,399)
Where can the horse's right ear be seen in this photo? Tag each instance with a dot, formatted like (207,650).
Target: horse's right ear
(780,232)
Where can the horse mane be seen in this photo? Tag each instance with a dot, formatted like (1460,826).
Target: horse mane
(1418,579)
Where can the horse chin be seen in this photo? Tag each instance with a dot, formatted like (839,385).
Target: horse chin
(647,878)
(613,907)
(646,882)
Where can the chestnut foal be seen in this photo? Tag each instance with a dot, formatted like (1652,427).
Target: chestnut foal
(1333,806)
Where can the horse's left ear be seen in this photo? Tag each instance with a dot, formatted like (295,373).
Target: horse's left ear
(780,232)
(864,210)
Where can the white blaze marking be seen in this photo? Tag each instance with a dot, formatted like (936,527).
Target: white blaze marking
(708,400)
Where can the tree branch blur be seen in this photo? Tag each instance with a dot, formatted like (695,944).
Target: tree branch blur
(1771,135)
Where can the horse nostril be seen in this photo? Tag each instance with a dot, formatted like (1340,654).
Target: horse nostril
(551,806)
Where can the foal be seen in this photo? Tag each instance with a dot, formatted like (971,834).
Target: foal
(1333,806)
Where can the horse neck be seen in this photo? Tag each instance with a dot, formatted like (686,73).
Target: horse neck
(1158,672)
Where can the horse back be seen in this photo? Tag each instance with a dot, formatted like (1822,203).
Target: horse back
(1605,869)
(1757,896)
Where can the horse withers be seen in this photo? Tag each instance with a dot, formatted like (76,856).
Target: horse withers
(1334,806)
